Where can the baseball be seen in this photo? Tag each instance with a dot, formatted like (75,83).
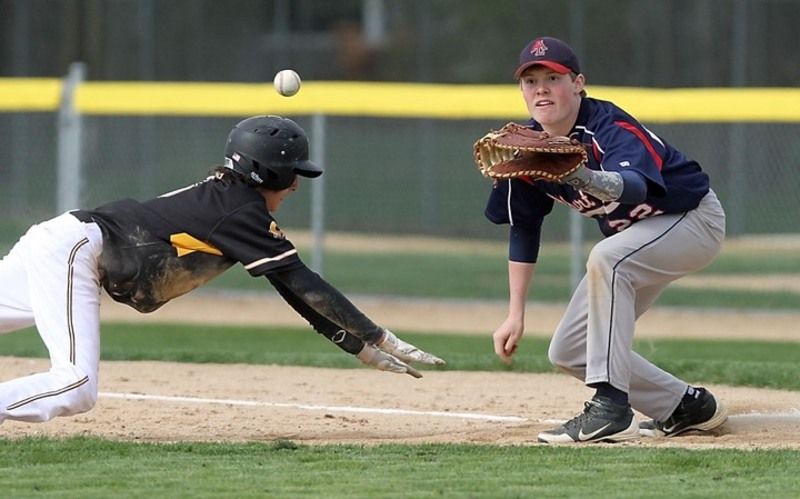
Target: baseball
(287,82)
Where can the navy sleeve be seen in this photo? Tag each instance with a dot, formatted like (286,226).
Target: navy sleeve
(518,202)
(630,146)
(522,205)
(634,190)
(523,244)
(497,210)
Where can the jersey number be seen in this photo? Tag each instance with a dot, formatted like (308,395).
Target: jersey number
(639,212)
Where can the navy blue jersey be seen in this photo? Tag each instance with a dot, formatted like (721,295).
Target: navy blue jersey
(615,142)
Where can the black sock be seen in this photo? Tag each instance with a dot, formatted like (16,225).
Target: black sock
(606,390)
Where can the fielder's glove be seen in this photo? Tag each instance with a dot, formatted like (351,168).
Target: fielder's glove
(518,151)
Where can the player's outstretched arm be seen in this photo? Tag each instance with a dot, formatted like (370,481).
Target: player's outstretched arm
(318,295)
(386,352)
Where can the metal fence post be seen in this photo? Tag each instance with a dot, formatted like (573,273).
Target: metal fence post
(737,150)
(577,264)
(68,189)
(318,194)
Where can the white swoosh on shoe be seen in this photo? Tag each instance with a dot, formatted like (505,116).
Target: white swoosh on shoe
(670,429)
(582,437)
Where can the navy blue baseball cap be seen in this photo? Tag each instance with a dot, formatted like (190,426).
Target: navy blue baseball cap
(549,52)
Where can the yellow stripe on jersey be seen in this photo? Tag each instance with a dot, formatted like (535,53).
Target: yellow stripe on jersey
(186,244)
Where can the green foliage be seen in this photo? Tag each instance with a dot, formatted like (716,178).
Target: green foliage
(87,467)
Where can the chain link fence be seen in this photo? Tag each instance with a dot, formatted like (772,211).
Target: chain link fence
(383,175)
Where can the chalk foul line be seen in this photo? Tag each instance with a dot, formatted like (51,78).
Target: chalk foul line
(790,416)
(309,407)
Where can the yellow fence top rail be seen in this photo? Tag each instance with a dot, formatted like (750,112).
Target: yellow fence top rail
(29,94)
(382,99)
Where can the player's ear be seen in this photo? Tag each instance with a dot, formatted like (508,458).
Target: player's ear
(579,81)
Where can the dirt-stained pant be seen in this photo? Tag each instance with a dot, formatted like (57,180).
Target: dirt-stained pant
(625,273)
(50,279)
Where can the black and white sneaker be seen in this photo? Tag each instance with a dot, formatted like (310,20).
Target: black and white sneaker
(700,411)
(601,421)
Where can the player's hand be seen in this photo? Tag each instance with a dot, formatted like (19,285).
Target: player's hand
(407,352)
(385,362)
(506,338)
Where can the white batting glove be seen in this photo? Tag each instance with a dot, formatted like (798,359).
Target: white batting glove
(385,362)
(406,351)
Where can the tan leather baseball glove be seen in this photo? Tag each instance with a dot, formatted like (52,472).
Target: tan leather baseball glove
(518,151)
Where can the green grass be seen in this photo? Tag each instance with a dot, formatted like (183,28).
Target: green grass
(730,299)
(89,467)
(463,274)
(746,363)
(85,467)
(81,467)
(774,262)
(453,272)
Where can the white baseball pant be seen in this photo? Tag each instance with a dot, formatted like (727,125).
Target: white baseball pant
(50,279)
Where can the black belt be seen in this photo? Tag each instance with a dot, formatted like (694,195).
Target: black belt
(83,216)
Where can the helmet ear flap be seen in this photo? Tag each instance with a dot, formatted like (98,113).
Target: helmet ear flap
(245,167)
(275,179)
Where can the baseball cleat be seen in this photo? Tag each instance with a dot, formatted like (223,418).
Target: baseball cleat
(703,412)
(601,421)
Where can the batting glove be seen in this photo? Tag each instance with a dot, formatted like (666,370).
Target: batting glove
(385,362)
(407,352)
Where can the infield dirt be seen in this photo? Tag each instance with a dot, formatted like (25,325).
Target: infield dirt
(315,405)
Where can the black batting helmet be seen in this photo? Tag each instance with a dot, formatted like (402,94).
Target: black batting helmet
(269,151)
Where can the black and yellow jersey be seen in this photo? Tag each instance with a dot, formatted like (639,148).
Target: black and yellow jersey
(159,249)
